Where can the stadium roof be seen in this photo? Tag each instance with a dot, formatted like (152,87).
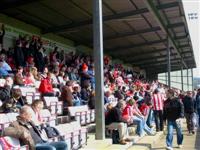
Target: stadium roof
(135,31)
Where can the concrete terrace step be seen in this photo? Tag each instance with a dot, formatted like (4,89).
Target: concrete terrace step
(107,143)
(138,143)
(147,142)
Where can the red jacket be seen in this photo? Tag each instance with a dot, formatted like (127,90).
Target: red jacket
(127,113)
(144,109)
(45,86)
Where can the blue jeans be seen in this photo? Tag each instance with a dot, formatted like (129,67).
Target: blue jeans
(198,112)
(141,126)
(169,139)
(52,146)
(150,118)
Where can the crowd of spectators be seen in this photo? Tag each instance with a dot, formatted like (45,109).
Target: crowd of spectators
(129,99)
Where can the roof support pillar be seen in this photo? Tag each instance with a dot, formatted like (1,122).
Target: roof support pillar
(187,80)
(168,62)
(166,77)
(98,62)
(182,77)
(192,78)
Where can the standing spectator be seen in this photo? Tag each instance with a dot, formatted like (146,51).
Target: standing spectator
(2,33)
(39,59)
(18,53)
(198,104)
(189,109)
(84,74)
(158,101)
(173,112)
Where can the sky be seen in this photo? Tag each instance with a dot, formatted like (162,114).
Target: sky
(192,9)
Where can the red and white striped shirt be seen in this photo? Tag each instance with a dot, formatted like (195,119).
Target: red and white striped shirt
(158,101)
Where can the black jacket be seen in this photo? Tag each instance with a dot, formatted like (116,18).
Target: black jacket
(173,109)
(189,104)
(114,115)
(198,101)
(4,93)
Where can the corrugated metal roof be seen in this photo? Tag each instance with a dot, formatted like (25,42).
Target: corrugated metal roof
(131,31)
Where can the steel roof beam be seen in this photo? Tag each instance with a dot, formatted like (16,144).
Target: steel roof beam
(89,22)
(174,63)
(13,4)
(146,57)
(121,35)
(105,18)
(156,62)
(175,25)
(125,48)
(159,20)
(168,5)
(136,55)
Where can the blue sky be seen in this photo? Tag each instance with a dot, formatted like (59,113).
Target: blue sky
(193,7)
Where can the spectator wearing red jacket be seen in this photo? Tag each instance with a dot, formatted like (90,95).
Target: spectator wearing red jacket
(46,87)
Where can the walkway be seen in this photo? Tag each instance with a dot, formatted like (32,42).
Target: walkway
(191,142)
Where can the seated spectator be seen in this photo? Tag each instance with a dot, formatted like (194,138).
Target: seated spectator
(61,79)
(19,78)
(76,95)
(86,92)
(29,79)
(28,134)
(37,106)
(54,78)
(132,114)
(45,72)
(5,88)
(91,102)
(46,88)
(15,103)
(5,65)
(66,94)
(35,74)
(30,62)
(147,112)
(114,119)
(71,74)
(106,97)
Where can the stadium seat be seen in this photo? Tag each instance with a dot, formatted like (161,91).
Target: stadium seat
(25,90)
(14,143)
(46,115)
(12,116)
(4,121)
